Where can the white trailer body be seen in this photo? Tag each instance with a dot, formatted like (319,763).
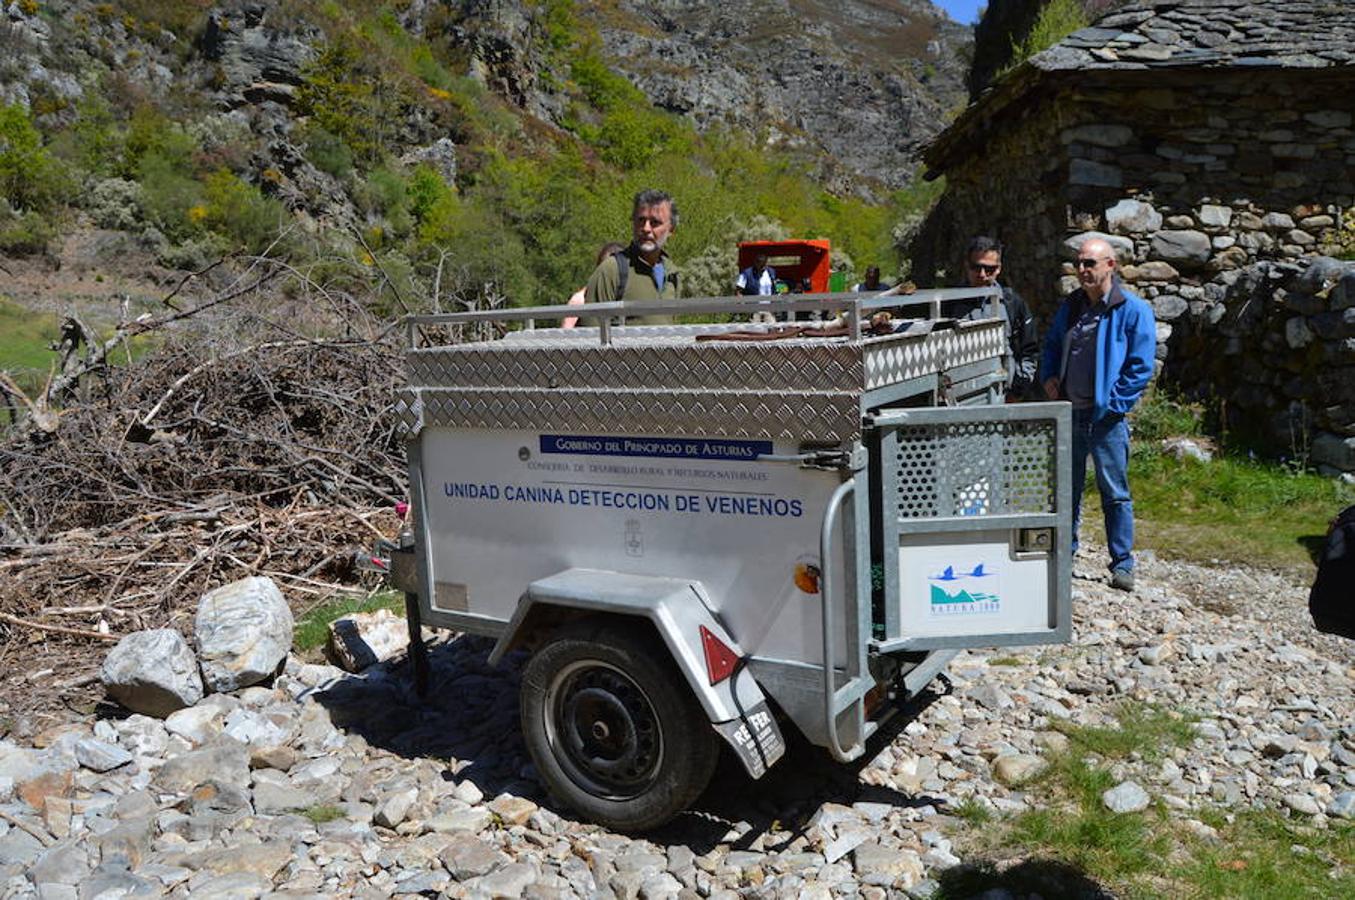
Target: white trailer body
(810,525)
(506,508)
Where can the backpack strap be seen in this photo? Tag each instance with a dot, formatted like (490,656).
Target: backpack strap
(622,273)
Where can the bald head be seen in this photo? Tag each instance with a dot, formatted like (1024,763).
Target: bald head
(1096,267)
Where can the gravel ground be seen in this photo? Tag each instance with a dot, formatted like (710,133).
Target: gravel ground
(440,799)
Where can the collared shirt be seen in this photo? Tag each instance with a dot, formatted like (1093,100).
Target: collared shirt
(1079,373)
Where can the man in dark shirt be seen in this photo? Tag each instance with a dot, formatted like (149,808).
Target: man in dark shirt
(872,281)
(1098,355)
(983,265)
(758,280)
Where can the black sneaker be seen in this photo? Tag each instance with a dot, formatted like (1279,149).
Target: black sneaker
(1122,580)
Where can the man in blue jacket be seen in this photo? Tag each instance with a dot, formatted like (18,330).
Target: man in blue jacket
(1099,356)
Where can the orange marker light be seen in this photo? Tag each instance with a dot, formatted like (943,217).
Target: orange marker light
(807,577)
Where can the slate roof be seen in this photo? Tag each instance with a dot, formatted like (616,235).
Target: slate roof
(1150,36)
(1172,33)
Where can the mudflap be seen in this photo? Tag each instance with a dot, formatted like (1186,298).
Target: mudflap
(755,738)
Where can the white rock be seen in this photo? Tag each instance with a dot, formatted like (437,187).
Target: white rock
(1126,797)
(244,632)
(1297,333)
(152,672)
(1130,216)
(1217,216)
(364,639)
(251,728)
(1123,246)
(196,724)
(99,756)
(1016,768)
(1186,448)
(1342,806)
(395,808)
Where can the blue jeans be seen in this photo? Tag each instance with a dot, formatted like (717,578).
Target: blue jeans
(1107,442)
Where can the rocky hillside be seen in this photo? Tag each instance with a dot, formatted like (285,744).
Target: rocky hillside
(410,132)
(861,85)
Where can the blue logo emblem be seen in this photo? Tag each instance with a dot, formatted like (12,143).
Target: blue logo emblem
(967,592)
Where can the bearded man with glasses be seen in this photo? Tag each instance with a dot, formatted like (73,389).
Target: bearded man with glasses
(1099,355)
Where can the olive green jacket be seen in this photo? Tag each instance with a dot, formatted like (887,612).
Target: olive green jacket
(604,284)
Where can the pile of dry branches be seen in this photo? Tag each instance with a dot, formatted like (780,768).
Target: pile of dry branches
(142,485)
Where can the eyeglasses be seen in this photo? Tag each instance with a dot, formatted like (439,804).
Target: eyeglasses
(985,269)
(1090,263)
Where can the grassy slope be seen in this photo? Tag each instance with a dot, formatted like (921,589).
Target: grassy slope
(1234,508)
(25,337)
(1071,841)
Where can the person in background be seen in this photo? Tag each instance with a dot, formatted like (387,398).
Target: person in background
(758,280)
(1099,355)
(872,282)
(983,265)
(577,298)
(642,271)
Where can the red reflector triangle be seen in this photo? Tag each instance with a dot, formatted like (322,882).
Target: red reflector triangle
(720,660)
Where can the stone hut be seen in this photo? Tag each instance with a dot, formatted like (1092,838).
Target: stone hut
(1212,141)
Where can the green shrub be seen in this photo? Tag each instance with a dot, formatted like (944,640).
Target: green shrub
(328,152)
(604,88)
(385,191)
(237,211)
(486,257)
(171,196)
(31,179)
(26,233)
(345,94)
(626,138)
(115,203)
(192,255)
(96,141)
(151,133)
(1159,415)
(425,189)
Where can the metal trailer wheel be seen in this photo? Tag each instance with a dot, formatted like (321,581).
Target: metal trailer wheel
(613,727)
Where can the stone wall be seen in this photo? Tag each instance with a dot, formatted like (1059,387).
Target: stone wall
(1276,356)
(1215,187)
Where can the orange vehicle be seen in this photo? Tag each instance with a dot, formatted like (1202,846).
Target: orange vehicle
(794,261)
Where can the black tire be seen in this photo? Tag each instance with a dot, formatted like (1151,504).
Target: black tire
(613,727)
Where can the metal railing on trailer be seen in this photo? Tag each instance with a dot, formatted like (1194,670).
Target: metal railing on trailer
(856,310)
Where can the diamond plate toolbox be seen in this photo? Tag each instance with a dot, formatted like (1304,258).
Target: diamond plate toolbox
(664,382)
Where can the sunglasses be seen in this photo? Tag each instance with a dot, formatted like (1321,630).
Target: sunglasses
(987,270)
(1090,263)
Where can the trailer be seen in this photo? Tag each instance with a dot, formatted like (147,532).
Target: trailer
(711,533)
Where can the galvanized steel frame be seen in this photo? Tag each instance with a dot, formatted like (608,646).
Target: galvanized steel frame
(1058,516)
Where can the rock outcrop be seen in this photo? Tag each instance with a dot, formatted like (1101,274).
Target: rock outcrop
(859,87)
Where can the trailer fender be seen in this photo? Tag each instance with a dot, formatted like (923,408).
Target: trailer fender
(680,611)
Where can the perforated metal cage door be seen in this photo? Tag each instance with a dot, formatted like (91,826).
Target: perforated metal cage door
(973,468)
